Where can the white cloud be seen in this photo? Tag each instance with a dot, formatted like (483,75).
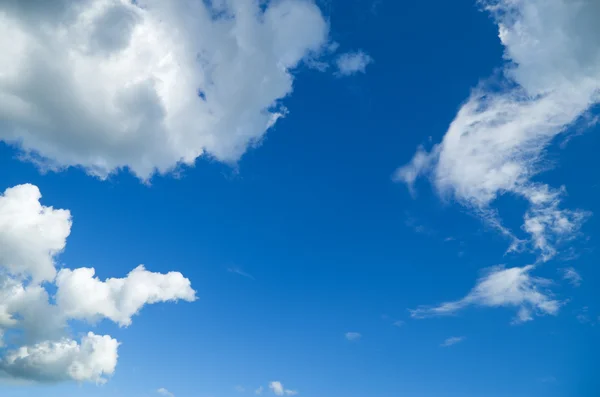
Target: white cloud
(240,272)
(80,295)
(500,287)
(31,235)
(353,62)
(106,84)
(353,336)
(278,389)
(259,390)
(164,392)
(240,389)
(570,274)
(496,143)
(63,360)
(39,350)
(452,341)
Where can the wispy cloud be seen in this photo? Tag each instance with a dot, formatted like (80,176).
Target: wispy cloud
(352,63)
(353,336)
(583,315)
(259,390)
(452,341)
(418,227)
(570,274)
(240,272)
(500,287)
(240,389)
(497,142)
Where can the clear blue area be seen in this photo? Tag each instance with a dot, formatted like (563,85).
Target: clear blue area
(331,242)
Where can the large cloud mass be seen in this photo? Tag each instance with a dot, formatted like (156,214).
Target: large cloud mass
(40,348)
(106,84)
(496,143)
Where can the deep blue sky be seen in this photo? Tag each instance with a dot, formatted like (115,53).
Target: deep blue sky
(331,243)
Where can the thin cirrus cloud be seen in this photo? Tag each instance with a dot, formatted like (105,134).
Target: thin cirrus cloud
(453,341)
(240,272)
(353,336)
(497,141)
(41,350)
(500,287)
(570,275)
(149,85)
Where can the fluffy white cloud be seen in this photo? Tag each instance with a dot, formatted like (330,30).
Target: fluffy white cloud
(353,336)
(353,62)
(496,143)
(452,341)
(106,84)
(278,389)
(25,307)
(80,295)
(30,237)
(90,361)
(500,287)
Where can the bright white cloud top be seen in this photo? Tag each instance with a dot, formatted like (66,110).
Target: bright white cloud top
(45,352)
(278,389)
(111,84)
(497,141)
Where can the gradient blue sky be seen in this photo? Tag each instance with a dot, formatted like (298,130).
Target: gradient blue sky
(308,238)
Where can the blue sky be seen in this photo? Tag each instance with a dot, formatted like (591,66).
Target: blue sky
(323,260)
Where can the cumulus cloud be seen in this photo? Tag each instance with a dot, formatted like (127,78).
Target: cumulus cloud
(148,85)
(452,341)
(31,235)
(353,336)
(90,360)
(513,287)
(164,392)
(40,350)
(352,63)
(496,143)
(278,389)
(80,295)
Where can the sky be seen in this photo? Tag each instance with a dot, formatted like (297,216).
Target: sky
(299,198)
